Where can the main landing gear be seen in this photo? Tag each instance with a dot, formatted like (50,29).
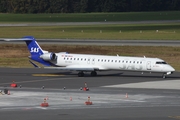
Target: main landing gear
(93,73)
(81,73)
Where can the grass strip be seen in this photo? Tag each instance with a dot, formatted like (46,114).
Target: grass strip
(133,32)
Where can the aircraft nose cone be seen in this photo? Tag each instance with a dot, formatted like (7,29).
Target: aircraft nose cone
(171,69)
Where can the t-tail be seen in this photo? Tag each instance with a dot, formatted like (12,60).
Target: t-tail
(37,54)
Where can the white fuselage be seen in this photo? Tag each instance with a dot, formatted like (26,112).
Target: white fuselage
(102,62)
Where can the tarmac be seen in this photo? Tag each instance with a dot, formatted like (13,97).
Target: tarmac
(114,95)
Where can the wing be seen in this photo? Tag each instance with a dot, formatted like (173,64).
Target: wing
(75,68)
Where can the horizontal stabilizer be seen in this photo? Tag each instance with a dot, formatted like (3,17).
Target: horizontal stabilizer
(19,39)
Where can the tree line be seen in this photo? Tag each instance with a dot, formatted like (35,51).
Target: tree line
(85,6)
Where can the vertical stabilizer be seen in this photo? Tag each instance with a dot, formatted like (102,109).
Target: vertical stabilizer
(34,49)
(33,46)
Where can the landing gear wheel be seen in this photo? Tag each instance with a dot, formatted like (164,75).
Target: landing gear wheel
(164,76)
(80,74)
(93,73)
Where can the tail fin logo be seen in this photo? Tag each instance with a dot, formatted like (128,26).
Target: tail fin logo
(34,50)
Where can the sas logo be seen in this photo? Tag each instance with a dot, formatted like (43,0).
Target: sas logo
(34,50)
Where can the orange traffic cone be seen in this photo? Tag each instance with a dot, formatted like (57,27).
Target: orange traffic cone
(88,102)
(8,92)
(85,87)
(126,95)
(44,104)
(13,84)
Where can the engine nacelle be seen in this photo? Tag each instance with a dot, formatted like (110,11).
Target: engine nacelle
(49,56)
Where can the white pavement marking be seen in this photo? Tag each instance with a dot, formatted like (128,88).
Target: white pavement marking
(168,84)
(41,108)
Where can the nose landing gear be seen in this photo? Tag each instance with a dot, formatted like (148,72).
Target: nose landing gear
(164,76)
(168,73)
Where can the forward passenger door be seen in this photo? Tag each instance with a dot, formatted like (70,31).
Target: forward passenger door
(148,65)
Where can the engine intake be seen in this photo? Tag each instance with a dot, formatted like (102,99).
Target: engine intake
(49,56)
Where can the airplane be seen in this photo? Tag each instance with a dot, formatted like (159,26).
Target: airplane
(92,63)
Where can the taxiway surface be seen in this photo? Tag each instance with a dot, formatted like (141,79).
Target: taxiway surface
(115,95)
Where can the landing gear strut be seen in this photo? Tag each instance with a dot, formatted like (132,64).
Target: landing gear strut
(164,76)
(80,74)
(93,73)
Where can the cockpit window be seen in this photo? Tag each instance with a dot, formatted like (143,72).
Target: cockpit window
(162,62)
